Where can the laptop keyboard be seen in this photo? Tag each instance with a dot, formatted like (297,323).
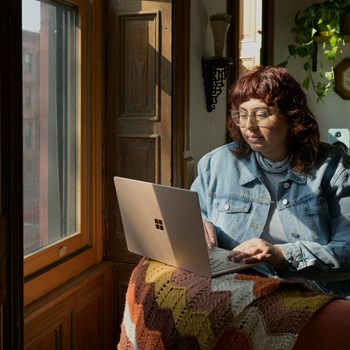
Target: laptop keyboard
(218,265)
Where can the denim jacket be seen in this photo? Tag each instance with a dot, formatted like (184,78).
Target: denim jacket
(314,211)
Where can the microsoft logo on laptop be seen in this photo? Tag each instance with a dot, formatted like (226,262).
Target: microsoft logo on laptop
(159,224)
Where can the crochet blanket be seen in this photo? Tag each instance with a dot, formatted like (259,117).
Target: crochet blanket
(169,308)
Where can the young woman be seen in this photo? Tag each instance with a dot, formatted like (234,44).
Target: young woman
(276,194)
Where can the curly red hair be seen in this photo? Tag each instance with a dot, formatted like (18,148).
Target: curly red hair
(280,91)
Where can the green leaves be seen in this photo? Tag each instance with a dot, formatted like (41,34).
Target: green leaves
(307,66)
(301,50)
(283,64)
(333,46)
(329,75)
(322,90)
(320,22)
(306,82)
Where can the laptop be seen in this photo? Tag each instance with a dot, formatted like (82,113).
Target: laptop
(164,223)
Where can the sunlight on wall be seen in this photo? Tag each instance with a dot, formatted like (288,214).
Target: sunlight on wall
(207,130)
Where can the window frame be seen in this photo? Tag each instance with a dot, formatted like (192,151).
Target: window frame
(50,267)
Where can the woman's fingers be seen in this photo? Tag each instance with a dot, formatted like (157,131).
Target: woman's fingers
(257,250)
(210,234)
(245,253)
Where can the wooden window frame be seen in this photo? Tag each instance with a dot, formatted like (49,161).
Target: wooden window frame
(45,270)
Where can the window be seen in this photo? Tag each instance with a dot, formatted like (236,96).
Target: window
(27,97)
(27,62)
(58,118)
(27,141)
(59,217)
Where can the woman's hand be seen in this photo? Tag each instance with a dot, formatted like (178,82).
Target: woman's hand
(257,250)
(210,234)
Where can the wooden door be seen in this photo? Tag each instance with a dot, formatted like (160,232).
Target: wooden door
(139,90)
(138,112)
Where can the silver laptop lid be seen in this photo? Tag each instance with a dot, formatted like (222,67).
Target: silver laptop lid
(163,223)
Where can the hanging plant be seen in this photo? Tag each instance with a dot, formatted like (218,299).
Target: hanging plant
(319,25)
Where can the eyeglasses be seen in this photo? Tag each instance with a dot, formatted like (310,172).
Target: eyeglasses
(259,117)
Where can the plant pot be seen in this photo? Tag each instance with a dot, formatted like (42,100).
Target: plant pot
(219,29)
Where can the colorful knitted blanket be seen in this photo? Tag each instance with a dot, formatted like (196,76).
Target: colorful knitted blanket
(169,308)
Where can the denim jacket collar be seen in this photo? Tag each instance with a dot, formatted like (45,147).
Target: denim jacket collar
(249,170)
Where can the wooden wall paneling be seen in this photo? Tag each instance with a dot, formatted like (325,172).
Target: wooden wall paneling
(78,315)
(49,340)
(87,323)
(137,154)
(139,68)
(54,334)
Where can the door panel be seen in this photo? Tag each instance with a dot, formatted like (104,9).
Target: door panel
(137,154)
(143,111)
(139,47)
(138,113)
(147,103)
(138,103)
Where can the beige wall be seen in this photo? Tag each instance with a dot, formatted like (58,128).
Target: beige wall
(207,130)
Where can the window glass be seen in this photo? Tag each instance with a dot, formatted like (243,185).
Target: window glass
(27,62)
(50,123)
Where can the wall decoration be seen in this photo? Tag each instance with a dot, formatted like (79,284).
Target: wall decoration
(215,69)
(342,79)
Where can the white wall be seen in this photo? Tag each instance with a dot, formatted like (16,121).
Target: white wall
(334,112)
(207,130)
